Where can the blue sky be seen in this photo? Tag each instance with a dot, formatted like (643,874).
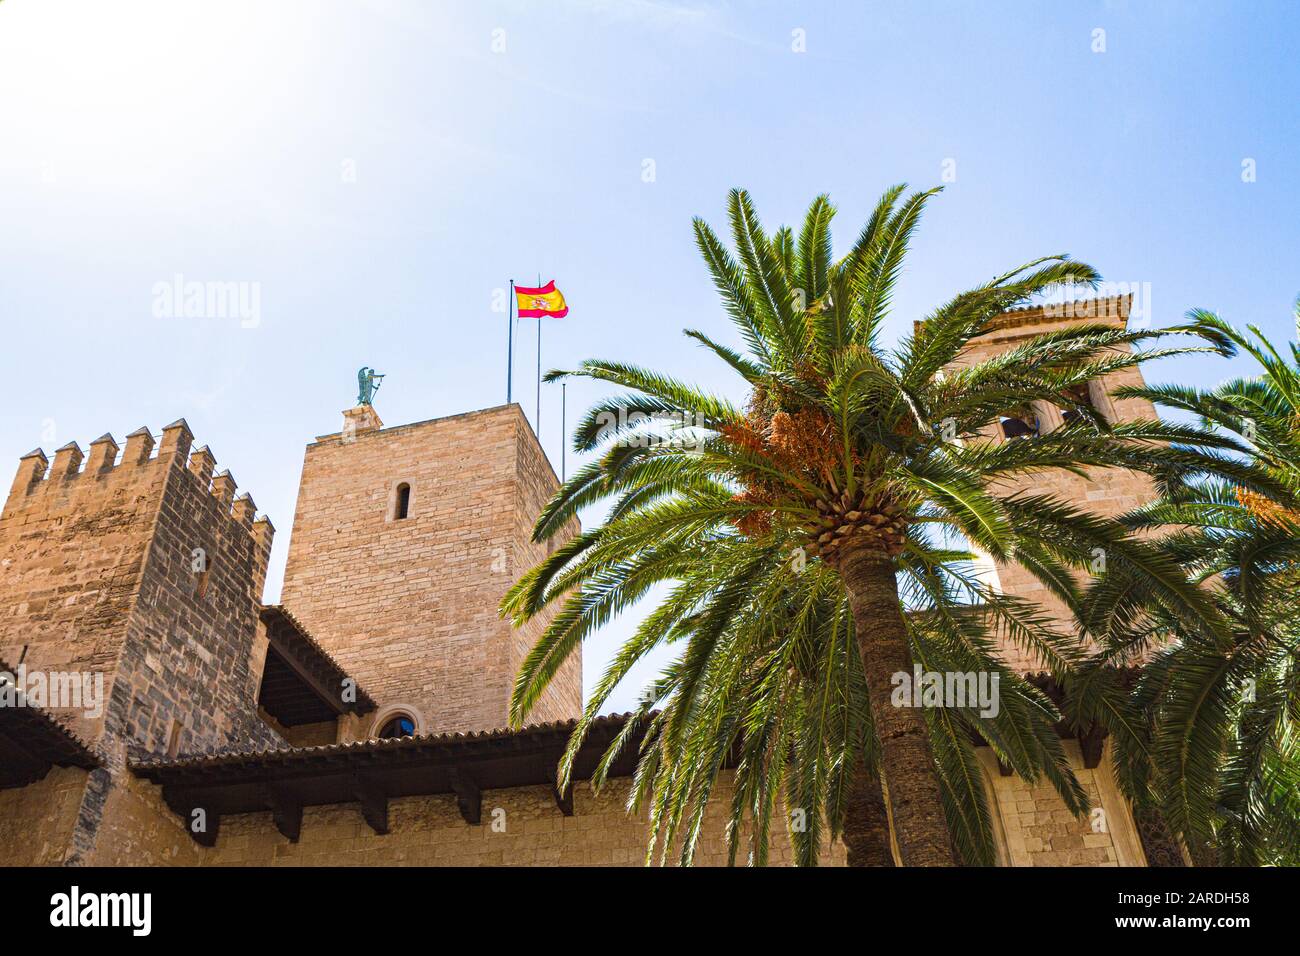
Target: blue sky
(378,169)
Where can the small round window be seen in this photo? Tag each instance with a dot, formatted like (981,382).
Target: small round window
(399,725)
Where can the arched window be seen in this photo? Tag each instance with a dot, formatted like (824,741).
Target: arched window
(399,725)
(402,506)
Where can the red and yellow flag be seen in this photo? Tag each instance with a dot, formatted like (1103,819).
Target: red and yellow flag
(544,300)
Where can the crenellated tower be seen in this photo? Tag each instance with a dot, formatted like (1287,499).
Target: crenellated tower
(144,568)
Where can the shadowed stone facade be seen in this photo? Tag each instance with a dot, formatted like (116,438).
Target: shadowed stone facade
(97,566)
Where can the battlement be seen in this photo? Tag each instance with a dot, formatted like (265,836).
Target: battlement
(38,477)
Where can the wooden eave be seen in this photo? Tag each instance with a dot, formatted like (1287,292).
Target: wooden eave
(372,772)
(32,741)
(301,682)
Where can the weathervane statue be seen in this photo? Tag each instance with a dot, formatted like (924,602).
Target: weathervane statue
(367,384)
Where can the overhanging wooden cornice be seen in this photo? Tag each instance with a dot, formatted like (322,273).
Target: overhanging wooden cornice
(32,741)
(302,683)
(373,772)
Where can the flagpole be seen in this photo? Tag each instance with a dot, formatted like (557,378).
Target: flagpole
(564,428)
(539,368)
(510,342)
(539,378)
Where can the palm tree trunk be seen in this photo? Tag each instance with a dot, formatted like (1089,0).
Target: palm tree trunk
(905,757)
(866,821)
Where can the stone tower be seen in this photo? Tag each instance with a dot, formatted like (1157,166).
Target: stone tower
(1031,825)
(148,570)
(1106,491)
(404,541)
(143,576)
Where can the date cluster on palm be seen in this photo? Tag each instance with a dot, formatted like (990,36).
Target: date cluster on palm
(853,521)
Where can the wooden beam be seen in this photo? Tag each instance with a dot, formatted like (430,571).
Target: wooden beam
(235,784)
(1091,744)
(207,837)
(374,804)
(188,806)
(1004,769)
(469,799)
(18,766)
(31,737)
(286,812)
(331,697)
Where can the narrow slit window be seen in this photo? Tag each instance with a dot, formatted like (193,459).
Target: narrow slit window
(402,507)
(174,739)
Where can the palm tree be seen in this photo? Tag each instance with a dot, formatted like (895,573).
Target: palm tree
(1210,733)
(858,459)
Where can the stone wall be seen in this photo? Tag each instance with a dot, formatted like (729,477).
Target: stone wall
(1032,826)
(187,662)
(72,553)
(1106,491)
(430,831)
(1030,823)
(147,571)
(537,484)
(36,821)
(97,573)
(137,828)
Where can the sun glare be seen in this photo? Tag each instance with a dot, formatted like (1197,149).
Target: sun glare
(104,90)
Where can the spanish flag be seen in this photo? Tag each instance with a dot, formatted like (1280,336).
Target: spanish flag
(544,300)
